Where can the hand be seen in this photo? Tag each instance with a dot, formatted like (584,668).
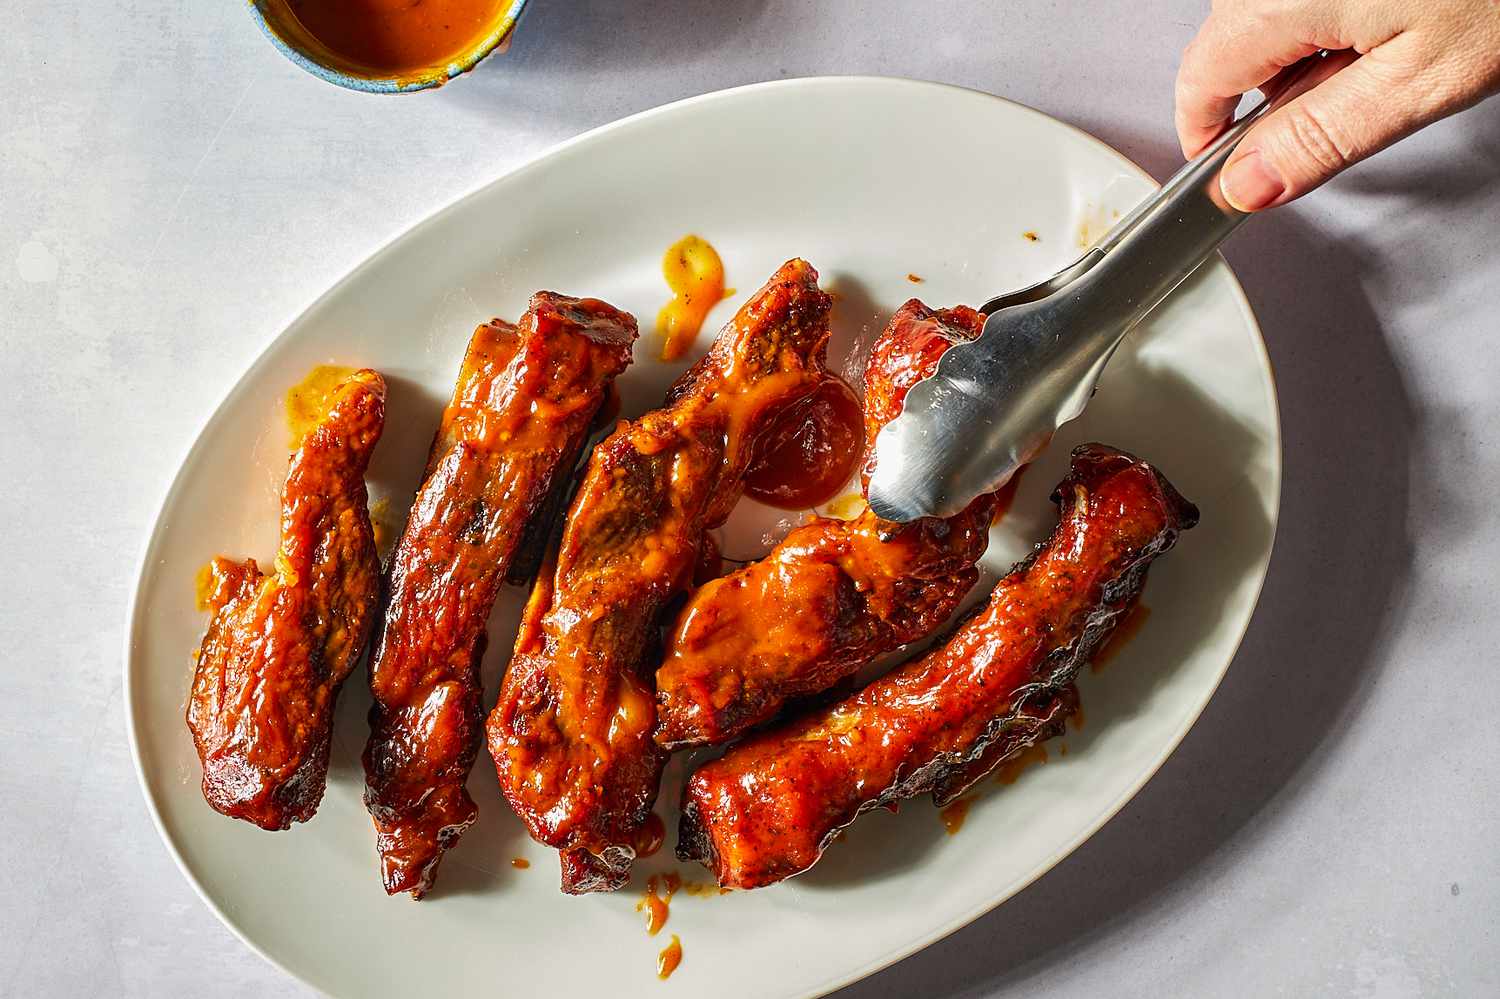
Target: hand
(1398,65)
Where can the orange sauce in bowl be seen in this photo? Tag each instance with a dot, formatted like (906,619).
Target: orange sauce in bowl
(398,36)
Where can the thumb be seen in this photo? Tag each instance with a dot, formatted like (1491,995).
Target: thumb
(1337,123)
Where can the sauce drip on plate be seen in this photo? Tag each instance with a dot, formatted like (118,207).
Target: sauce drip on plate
(1010,771)
(1121,636)
(657,907)
(695,274)
(811,452)
(954,813)
(308,400)
(669,958)
(398,36)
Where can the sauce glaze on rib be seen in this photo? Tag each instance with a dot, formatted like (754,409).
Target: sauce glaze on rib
(279,646)
(767,809)
(521,410)
(834,594)
(571,733)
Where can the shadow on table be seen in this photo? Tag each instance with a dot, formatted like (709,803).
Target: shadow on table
(540,74)
(1335,589)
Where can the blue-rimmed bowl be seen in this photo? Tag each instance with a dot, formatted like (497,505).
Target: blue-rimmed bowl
(276,19)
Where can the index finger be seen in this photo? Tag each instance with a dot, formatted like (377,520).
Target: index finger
(1234,52)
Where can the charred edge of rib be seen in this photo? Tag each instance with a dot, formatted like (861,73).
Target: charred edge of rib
(1057,670)
(584,872)
(693,840)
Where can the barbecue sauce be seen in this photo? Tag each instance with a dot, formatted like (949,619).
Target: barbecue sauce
(811,451)
(396,37)
(695,274)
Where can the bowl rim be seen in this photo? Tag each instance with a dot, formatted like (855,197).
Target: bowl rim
(426,79)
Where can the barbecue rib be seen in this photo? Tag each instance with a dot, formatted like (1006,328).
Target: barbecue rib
(279,646)
(521,410)
(834,594)
(766,809)
(571,733)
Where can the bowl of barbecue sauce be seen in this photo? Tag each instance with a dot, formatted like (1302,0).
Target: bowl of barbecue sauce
(387,46)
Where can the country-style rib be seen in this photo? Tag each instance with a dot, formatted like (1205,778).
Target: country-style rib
(522,407)
(571,734)
(834,594)
(279,646)
(767,809)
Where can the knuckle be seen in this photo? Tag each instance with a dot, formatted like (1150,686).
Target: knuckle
(1316,140)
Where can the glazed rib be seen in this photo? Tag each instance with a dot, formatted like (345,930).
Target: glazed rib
(279,646)
(509,438)
(766,809)
(834,594)
(571,733)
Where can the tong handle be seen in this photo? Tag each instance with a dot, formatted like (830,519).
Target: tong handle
(1164,238)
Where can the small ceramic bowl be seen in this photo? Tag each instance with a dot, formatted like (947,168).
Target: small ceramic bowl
(297,44)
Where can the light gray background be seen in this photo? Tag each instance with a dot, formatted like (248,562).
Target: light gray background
(172,191)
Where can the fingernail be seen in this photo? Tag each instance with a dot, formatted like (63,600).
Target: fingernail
(1250,184)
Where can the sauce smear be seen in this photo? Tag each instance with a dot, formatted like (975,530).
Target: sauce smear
(954,813)
(307,401)
(205,584)
(658,907)
(1010,771)
(1127,629)
(520,863)
(695,274)
(670,957)
(811,451)
(397,36)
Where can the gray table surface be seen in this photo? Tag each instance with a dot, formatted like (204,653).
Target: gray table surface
(172,190)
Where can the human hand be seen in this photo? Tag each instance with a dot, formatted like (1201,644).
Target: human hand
(1397,66)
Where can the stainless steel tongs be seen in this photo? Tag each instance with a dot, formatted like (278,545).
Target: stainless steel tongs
(993,404)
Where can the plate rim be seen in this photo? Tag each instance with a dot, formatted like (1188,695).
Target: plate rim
(134,611)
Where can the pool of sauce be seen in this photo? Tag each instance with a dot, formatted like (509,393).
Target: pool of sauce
(520,863)
(1010,771)
(954,813)
(669,958)
(398,36)
(308,400)
(695,274)
(1127,629)
(811,451)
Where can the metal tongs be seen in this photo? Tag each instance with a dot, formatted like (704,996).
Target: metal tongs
(993,404)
